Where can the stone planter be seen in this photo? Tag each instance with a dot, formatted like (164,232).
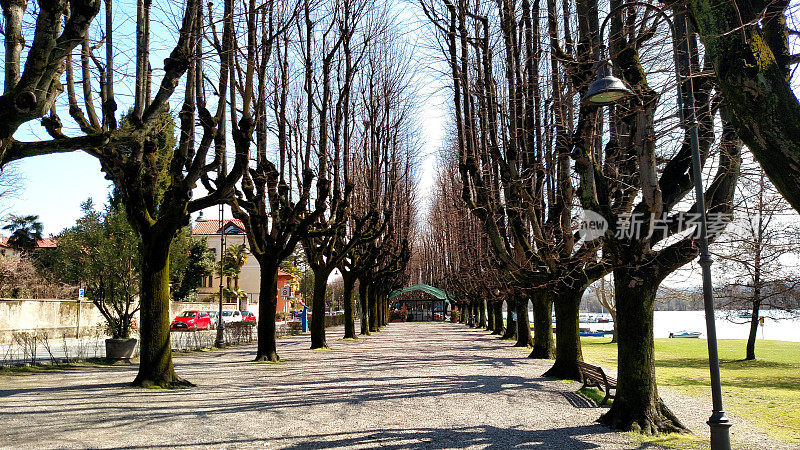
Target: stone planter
(120,349)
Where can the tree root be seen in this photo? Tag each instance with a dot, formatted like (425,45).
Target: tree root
(563,370)
(175,382)
(651,421)
(268,357)
(541,353)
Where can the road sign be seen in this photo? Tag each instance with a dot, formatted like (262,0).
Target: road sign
(80,294)
(286,291)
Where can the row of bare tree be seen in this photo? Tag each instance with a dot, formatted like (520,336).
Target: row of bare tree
(531,157)
(297,114)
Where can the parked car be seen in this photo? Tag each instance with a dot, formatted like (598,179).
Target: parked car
(214,321)
(191,320)
(231,316)
(248,317)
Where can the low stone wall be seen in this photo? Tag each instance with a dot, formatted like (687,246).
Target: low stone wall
(54,316)
(60,317)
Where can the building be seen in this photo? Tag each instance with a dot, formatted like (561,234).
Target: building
(10,252)
(250,277)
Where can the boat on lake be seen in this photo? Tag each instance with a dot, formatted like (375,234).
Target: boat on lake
(588,332)
(593,333)
(685,334)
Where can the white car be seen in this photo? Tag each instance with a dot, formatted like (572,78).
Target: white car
(231,316)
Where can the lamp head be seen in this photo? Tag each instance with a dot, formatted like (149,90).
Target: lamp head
(606,89)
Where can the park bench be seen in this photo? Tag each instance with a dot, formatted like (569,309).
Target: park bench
(593,376)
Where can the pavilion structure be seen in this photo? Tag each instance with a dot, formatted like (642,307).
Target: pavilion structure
(419,303)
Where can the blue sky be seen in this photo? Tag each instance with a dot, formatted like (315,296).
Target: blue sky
(56,185)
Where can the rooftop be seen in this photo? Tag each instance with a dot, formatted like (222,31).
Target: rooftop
(211,227)
(41,243)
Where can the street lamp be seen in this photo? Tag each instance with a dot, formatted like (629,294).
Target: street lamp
(243,251)
(608,90)
(219,342)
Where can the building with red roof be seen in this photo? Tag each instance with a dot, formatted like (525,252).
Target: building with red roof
(233,232)
(9,251)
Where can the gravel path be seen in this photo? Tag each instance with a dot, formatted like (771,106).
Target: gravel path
(412,385)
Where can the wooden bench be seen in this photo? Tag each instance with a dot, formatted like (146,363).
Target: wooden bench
(593,376)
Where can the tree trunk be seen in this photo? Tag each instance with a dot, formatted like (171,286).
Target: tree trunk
(372,299)
(267,307)
(349,313)
(753,79)
(462,307)
(751,338)
(383,308)
(155,366)
(498,318)
(472,307)
(318,309)
(614,339)
(489,317)
(637,406)
(568,339)
(543,346)
(511,324)
(363,299)
(524,337)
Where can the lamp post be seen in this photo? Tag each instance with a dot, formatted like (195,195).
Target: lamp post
(220,340)
(243,252)
(608,90)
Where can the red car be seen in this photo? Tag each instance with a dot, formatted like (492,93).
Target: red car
(191,320)
(248,317)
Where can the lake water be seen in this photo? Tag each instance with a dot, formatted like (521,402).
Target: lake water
(778,325)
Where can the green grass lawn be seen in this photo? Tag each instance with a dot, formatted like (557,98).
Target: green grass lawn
(765,391)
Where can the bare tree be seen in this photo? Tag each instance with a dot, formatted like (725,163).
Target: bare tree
(516,162)
(274,197)
(12,184)
(754,251)
(603,290)
(152,179)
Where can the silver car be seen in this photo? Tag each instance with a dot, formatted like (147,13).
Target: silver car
(214,320)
